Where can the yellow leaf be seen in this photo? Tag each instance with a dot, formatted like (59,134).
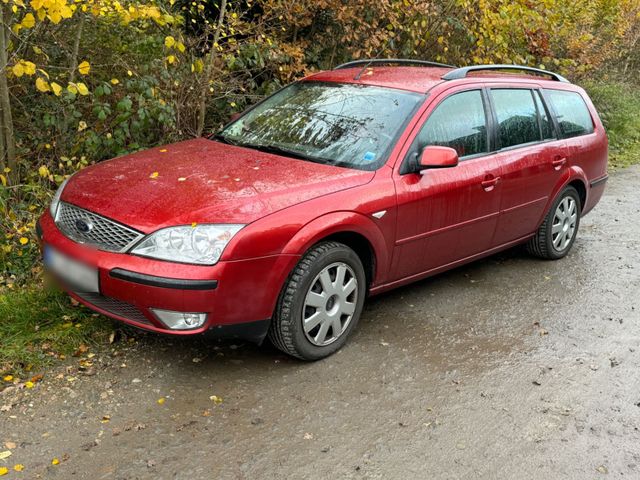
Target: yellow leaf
(57,89)
(5,454)
(18,69)
(42,85)
(8,378)
(193,224)
(84,68)
(82,88)
(171,59)
(216,399)
(3,471)
(71,88)
(115,81)
(162,150)
(43,170)
(28,21)
(180,46)
(18,467)
(28,384)
(169,41)
(3,180)
(130,73)
(55,461)
(154,175)
(161,401)
(29,67)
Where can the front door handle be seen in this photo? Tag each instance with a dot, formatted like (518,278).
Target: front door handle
(489,183)
(558,162)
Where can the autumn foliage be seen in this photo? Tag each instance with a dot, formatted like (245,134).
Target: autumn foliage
(86,80)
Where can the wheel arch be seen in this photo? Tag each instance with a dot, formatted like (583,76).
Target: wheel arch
(352,229)
(574,177)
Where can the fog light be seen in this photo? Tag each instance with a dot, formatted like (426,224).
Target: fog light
(180,320)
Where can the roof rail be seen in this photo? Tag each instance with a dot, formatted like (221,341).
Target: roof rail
(463,71)
(391,61)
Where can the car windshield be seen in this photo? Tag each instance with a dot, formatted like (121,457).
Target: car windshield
(338,124)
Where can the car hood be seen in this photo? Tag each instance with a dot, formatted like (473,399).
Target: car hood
(202,181)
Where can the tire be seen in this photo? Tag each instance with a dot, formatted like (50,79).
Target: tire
(319,290)
(556,235)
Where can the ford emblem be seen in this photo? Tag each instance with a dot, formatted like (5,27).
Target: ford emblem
(83,226)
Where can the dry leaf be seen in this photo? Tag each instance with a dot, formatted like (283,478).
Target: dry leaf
(154,175)
(55,461)
(5,454)
(215,399)
(10,445)
(18,467)
(161,401)
(3,471)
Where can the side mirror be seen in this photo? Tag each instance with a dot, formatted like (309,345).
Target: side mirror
(437,157)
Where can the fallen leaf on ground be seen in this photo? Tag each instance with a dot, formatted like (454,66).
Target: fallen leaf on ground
(3,471)
(29,384)
(161,401)
(8,378)
(55,461)
(105,418)
(215,399)
(10,445)
(18,467)
(5,454)
(308,436)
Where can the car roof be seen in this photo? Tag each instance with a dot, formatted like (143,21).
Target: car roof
(418,79)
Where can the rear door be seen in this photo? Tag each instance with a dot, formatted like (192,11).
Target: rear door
(448,214)
(531,156)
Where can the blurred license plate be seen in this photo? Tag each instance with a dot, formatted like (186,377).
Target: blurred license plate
(76,275)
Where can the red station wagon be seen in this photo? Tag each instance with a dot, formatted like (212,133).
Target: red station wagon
(345,184)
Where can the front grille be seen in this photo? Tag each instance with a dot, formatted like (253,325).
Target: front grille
(101,232)
(114,306)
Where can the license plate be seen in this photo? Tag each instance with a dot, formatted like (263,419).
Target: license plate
(76,275)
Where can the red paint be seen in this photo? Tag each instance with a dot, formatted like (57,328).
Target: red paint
(434,221)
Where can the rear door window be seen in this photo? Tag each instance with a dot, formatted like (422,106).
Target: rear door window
(458,122)
(546,126)
(517,116)
(571,111)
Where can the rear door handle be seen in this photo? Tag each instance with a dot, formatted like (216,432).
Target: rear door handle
(558,162)
(489,182)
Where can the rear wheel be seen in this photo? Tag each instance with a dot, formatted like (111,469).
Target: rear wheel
(321,302)
(558,231)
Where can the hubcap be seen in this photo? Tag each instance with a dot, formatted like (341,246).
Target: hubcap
(564,223)
(330,304)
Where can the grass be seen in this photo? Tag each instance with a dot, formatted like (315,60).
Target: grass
(40,325)
(618,104)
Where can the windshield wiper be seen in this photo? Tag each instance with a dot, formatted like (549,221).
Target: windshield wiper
(222,138)
(268,148)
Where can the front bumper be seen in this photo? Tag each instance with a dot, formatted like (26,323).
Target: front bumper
(238,296)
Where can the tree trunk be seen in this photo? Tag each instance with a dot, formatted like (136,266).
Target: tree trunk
(8,144)
(76,48)
(208,69)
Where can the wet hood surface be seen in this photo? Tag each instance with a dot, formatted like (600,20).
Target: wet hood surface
(202,181)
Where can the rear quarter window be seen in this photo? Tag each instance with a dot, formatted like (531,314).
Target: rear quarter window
(571,111)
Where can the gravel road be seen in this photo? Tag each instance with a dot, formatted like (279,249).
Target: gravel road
(508,368)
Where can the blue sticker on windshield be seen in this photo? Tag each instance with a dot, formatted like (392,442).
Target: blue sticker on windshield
(369,156)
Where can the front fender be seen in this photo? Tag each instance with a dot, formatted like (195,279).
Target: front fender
(342,222)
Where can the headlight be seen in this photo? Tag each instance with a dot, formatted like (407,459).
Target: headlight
(201,244)
(53,209)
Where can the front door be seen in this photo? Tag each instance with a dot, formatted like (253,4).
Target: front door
(448,214)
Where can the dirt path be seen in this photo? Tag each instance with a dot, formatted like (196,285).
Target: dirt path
(507,368)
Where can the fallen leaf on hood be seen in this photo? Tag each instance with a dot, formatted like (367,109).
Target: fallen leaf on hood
(182,179)
(163,150)
(154,175)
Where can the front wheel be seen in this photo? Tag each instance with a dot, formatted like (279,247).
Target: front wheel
(558,231)
(321,302)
